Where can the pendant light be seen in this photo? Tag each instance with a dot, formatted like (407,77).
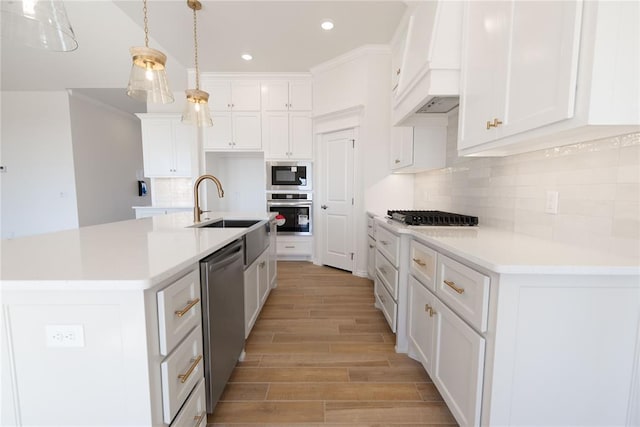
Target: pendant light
(38,23)
(196,111)
(148,78)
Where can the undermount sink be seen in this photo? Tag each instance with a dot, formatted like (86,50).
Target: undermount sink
(232,223)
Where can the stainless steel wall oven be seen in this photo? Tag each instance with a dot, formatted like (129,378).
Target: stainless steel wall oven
(289,176)
(296,210)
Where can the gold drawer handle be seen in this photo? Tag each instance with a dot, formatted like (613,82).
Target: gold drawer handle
(371,246)
(384,242)
(198,419)
(420,262)
(190,305)
(453,286)
(184,377)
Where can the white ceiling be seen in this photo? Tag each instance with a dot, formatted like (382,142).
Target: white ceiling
(282,36)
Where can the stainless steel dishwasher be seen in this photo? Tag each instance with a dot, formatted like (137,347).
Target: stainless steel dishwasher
(222,283)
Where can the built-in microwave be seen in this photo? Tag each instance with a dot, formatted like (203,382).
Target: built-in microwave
(289,176)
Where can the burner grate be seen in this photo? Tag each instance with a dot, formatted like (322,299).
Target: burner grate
(437,218)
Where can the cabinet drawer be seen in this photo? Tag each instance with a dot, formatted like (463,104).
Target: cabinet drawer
(194,411)
(386,303)
(371,229)
(294,248)
(388,274)
(464,290)
(423,264)
(388,243)
(179,310)
(180,372)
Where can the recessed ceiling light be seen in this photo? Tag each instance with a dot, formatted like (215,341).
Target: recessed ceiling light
(247,57)
(327,24)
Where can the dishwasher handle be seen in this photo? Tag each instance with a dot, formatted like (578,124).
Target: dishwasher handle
(226,255)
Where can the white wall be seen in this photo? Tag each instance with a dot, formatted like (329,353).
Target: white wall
(243,179)
(107,151)
(598,184)
(38,188)
(362,79)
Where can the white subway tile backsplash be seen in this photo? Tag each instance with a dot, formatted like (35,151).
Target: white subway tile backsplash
(598,184)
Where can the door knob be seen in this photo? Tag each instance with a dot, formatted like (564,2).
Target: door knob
(324,207)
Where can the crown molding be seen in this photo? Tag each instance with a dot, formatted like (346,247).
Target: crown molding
(370,49)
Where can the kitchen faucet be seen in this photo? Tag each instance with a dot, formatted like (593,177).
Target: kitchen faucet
(196,199)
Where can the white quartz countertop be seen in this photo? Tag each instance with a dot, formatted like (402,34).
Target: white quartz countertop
(133,254)
(506,252)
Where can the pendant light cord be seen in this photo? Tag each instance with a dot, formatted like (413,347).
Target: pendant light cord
(146,24)
(195,44)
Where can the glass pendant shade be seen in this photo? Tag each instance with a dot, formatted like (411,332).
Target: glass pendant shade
(148,79)
(38,23)
(196,111)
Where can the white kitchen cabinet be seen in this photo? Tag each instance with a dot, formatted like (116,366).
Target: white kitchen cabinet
(543,74)
(273,253)
(386,303)
(256,290)
(295,247)
(458,365)
(419,148)
(287,135)
(283,95)
(231,95)
(168,146)
(371,257)
(422,323)
(233,131)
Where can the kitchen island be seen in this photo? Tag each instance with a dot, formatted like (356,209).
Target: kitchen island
(87,314)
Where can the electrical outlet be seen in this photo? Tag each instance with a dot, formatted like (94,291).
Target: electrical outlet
(551,206)
(65,335)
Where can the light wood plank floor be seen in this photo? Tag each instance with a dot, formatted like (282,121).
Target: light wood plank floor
(322,354)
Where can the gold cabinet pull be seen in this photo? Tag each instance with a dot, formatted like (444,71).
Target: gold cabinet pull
(398,72)
(383,271)
(184,377)
(198,419)
(190,305)
(397,161)
(489,125)
(384,242)
(420,262)
(371,246)
(453,286)
(429,310)
(496,123)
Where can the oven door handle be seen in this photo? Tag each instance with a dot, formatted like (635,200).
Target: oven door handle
(289,204)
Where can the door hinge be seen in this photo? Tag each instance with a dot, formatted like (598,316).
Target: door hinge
(353,143)
(352,203)
(351,256)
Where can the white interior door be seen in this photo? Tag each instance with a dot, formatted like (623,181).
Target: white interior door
(336,204)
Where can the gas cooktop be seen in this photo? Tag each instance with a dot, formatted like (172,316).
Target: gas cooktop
(437,218)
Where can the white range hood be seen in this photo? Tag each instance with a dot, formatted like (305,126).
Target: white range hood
(429,71)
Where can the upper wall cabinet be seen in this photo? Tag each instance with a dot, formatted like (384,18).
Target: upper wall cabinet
(282,95)
(428,47)
(168,146)
(419,148)
(232,95)
(544,74)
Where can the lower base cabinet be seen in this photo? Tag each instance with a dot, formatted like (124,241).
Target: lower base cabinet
(256,290)
(458,365)
(194,411)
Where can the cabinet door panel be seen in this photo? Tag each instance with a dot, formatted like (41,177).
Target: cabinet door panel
(300,136)
(245,95)
(300,96)
(275,133)
(458,366)
(158,147)
(251,301)
(543,64)
(219,94)
(275,95)
(246,131)
(485,51)
(401,146)
(219,136)
(263,278)
(184,146)
(422,322)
